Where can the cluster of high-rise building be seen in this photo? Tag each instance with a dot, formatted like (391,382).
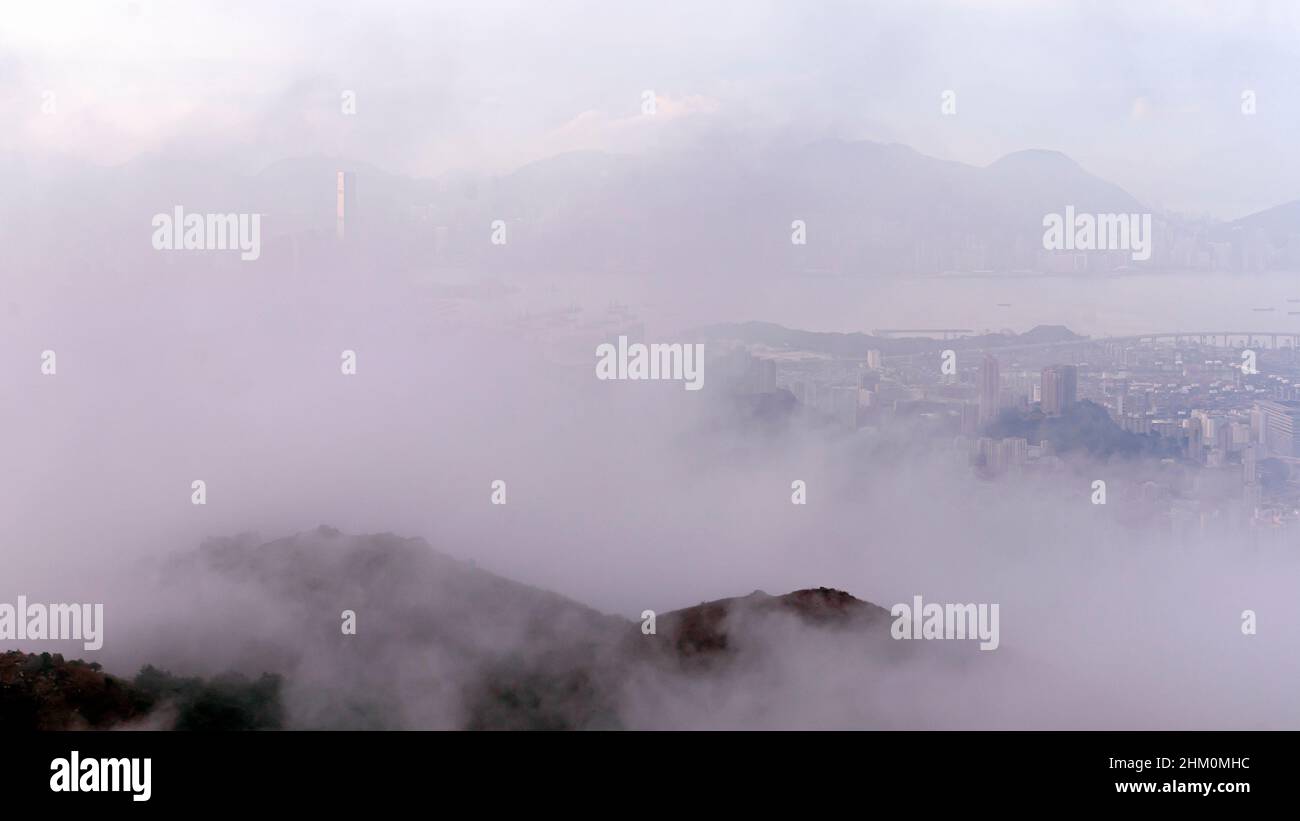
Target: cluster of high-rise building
(1275,424)
(1195,409)
(1058,388)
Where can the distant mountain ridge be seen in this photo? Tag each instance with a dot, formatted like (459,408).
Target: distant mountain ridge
(725,204)
(728,204)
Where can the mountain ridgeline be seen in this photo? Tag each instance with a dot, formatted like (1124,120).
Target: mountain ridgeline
(440,644)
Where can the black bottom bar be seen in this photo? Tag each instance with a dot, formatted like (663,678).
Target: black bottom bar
(328,770)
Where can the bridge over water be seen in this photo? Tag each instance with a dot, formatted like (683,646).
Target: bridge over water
(1221,339)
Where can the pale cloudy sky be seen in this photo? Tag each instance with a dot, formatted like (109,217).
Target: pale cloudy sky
(1145,94)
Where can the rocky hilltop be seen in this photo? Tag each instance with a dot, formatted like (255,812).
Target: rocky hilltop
(440,643)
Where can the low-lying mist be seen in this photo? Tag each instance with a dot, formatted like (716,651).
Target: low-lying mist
(621,496)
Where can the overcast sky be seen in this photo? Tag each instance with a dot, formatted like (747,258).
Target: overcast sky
(1146,94)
